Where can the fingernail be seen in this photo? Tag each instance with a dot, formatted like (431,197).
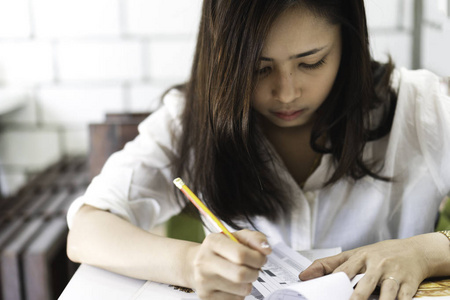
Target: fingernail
(265,245)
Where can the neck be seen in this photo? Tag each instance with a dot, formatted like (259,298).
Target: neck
(273,132)
(293,146)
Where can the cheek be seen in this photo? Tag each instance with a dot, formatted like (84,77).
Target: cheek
(327,84)
(322,86)
(317,90)
(259,97)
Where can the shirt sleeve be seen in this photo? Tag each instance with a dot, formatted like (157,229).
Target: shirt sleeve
(135,183)
(431,108)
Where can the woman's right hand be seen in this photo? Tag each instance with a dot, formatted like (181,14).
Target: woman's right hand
(223,269)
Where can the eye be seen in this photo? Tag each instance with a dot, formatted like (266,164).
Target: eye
(313,66)
(264,71)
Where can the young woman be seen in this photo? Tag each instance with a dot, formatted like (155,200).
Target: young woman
(289,132)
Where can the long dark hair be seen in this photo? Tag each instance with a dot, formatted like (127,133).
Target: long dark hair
(221,152)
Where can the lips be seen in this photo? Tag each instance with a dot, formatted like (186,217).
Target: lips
(289,115)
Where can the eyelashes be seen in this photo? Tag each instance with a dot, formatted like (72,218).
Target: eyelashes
(267,70)
(264,71)
(313,66)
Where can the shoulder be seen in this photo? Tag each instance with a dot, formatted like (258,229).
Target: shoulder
(422,122)
(168,114)
(416,83)
(420,95)
(174,100)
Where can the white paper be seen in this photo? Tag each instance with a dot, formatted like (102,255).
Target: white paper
(278,280)
(281,270)
(336,285)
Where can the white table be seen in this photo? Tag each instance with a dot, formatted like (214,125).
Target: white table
(91,283)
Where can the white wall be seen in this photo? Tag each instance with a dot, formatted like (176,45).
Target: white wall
(436,36)
(71,61)
(390,29)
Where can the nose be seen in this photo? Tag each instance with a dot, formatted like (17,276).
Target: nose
(286,88)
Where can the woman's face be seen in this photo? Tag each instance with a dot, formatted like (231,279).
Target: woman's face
(297,69)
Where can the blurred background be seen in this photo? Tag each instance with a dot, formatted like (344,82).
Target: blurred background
(65,63)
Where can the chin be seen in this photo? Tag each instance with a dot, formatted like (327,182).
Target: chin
(289,124)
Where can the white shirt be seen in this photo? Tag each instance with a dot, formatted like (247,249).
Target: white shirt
(136,182)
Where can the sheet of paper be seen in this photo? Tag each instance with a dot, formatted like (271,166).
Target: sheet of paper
(281,270)
(161,291)
(321,288)
(90,282)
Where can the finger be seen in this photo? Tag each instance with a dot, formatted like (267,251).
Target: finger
(407,291)
(389,289)
(232,288)
(218,283)
(238,289)
(235,273)
(323,266)
(365,286)
(237,253)
(254,240)
(352,267)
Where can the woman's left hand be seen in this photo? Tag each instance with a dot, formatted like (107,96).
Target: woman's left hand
(397,266)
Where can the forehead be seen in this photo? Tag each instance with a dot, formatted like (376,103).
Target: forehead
(298,30)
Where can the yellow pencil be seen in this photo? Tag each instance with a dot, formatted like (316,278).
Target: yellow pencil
(203,209)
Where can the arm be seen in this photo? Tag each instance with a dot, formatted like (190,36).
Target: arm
(408,261)
(105,240)
(218,266)
(425,113)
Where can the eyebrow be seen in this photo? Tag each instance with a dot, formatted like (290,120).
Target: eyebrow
(303,54)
